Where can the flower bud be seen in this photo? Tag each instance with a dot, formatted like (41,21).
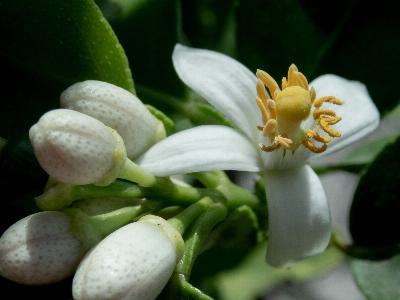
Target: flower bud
(77,149)
(134,262)
(118,109)
(40,249)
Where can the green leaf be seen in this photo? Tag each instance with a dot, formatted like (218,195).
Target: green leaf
(368,152)
(47,46)
(378,280)
(375,211)
(168,123)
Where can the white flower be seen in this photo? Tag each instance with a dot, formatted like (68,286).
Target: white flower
(118,109)
(77,149)
(289,135)
(40,249)
(134,262)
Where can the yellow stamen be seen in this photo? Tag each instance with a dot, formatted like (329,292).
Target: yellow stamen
(295,78)
(279,141)
(324,124)
(327,112)
(316,136)
(269,82)
(269,148)
(269,129)
(285,142)
(313,95)
(308,144)
(283,114)
(284,83)
(271,109)
(261,92)
(263,109)
(329,99)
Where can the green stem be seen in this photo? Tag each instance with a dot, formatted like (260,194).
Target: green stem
(235,195)
(61,195)
(196,236)
(133,172)
(183,220)
(92,229)
(109,222)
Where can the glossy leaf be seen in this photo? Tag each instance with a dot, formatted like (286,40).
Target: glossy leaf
(378,280)
(375,211)
(47,46)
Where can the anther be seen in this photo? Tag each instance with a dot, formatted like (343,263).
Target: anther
(309,145)
(261,91)
(269,129)
(271,109)
(330,99)
(269,148)
(263,109)
(326,112)
(291,71)
(324,124)
(316,136)
(269,82)
(284,83)
(285,142)
(313,94)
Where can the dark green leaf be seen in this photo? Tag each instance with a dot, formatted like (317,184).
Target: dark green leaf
(375,211)
(378,280)
(47,46)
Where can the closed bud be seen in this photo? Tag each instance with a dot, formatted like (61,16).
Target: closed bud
(118,109)
(77,149)
(134,262)
(40,249)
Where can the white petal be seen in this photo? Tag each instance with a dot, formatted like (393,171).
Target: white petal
(201,148)
(359,113)
(134,262)
(299,218)
(224,82)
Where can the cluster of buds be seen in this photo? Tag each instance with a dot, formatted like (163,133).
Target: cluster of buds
(96,134)
(92,139)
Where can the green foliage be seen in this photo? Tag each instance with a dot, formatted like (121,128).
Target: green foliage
(378,280)
(46,47)
(375,212)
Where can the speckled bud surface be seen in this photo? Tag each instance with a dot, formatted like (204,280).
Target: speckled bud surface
(77,149)
(118,109)
(134,262)
(39,249)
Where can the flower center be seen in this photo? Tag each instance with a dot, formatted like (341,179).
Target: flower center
(283,114)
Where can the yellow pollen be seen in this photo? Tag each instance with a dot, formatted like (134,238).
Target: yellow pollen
(308,144)
(283,114)
(330,99)
(279,141)
(293,104)
(326,112)
(316,136)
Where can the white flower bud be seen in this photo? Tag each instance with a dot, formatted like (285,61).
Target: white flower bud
(77,149)
(118,109)
(40,249)
(134,262)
